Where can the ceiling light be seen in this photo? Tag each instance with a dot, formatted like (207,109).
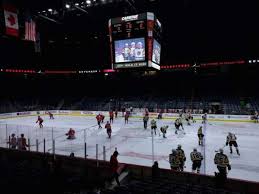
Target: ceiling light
(50,10)
(67,6)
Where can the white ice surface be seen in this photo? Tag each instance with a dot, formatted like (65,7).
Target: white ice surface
(134,144)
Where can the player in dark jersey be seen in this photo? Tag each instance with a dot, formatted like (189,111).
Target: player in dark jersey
(222,162)
(196,158)
(174,160)
(40,121)
(200,136)
(50,115)
(163,129)
(181,155)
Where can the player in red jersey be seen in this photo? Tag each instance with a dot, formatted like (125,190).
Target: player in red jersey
(116,113)
(127,114)
(71,134)
(111,116)
(40,120)
(99,119)
(50,115)
(102,116)
(109,129)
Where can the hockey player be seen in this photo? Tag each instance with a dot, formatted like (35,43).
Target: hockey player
(13,141)
(200,136)
(204,118)
(153,125)
(190,117)
(163,130)
(21,142)
(102,117)
(40,120)
(196,158)
(231,140)
(116,113)
(222,162)
(159,115)
(177,125)
(71,134)
(99,119)
(139,52)
(145,120)
(111,116)
(127,114)
(126,52)
(256,117)
(181,155)
(146,112)
(50,115)
(187,118)
(109,129)
(174,160)
(132,51)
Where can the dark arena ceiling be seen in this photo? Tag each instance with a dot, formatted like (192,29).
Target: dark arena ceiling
(78,37)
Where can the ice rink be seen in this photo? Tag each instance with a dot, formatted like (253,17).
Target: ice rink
(134,143)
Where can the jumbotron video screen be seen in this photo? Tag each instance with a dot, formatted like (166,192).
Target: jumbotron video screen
(132,41)
(129,50)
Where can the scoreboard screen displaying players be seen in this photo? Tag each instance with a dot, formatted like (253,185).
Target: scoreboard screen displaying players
(156,52)
(132,40)
(129,50)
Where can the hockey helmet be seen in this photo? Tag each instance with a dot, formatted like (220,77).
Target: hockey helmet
(179,146)
(221,150)
(195,149)
(174,151)
(116,153)
(13,134)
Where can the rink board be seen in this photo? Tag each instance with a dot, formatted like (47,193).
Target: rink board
(211,117)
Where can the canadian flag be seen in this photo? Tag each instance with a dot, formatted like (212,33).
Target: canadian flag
(11,20)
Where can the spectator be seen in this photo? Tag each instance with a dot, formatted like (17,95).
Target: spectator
(155,170)
(72,155)
(114,164)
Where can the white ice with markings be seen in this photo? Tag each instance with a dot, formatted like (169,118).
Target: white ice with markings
(134,143)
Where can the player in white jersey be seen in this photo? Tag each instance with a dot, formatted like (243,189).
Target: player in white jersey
(139,52)
(256,117)
(204,118)
(231,140)
(126,52)
(132,51)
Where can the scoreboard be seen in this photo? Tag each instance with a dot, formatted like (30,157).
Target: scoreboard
(135,41)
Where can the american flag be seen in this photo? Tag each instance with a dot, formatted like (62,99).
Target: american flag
(30,30)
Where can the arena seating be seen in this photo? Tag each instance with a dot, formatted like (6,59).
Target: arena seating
(42,174)
(228,105)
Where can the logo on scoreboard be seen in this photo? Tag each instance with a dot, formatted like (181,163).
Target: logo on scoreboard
(129,18)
